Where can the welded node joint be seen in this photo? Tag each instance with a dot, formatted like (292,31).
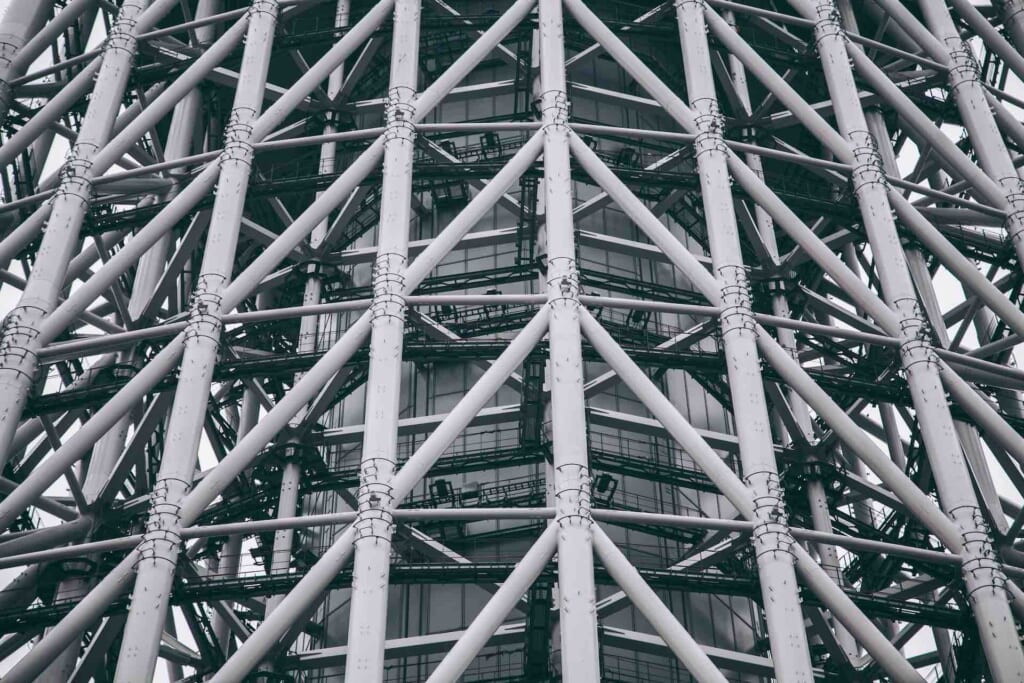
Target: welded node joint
(162,540)
(564,286)
(710,126)
(828,23)
(916,346)
(388,287)
(770,536)
(964,69)
(573,495)
(122,34)
(373,524)
(9,46)
(204,313)
(979,559)
(76,181)
(736,316)
(554,109)
(238,148)
(867,168)
(18,341)
(375,518)
(1013,186)
(268,8)
(400,114)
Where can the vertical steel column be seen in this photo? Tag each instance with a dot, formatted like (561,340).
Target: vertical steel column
(93,604)
(771,538)
(726,480)
(161,544)
(108,448)
(577,604)
(179,144)
(880,135)
(373,526)
(288,497)
(982,574)
(20,331)
(816,497)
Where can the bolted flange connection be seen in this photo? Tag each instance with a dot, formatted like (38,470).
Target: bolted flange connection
(161,541)
(204,319)
(399,113)
(827,23)
(1013,186)
(736,315)
(554,108)
(122,34)
(867,169)
(18,341)
(963,67)
(771,537)
(979,559)
(710,126)
(916,346)
(564,288)
(375,498)
(75,176)
(572,495)
(238,147)
(388,287)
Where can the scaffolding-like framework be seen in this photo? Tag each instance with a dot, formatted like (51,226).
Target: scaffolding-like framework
(221,270)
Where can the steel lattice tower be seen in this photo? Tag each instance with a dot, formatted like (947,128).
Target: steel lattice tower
(511,340)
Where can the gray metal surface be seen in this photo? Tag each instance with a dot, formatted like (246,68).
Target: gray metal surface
(532,340)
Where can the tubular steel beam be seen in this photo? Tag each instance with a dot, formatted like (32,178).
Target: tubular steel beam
(772,540)
(373,527)
(161,543)
(571,474)
(982,575)
(726,323)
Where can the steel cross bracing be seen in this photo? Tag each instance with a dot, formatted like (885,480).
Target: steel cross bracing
(524,340)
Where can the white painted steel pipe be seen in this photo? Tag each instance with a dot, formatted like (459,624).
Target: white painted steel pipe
(160,547)
(249,448)
(326,568)
(740,496)
(374,527)
(678,639)
(570,478)
(20,333)
(982,574)
(771,538)
(494,612)
(234,294)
